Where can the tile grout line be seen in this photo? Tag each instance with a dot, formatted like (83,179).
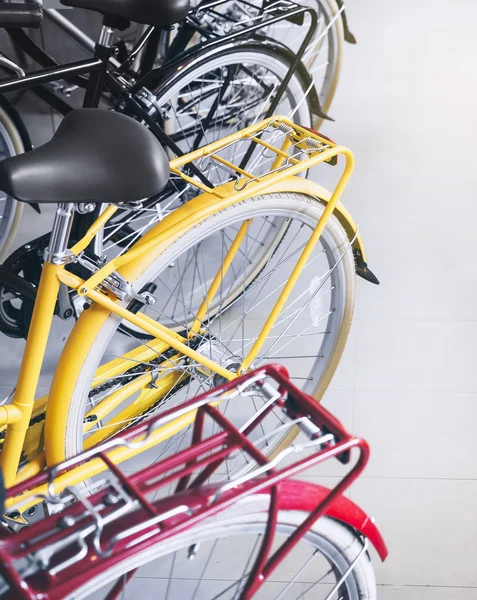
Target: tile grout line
(355,370)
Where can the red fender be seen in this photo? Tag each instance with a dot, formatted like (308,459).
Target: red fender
(307,496)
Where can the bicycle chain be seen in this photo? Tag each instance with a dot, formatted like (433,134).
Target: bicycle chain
(15,315)
(130,373)
(105,386)
(33,421)
(194,343)
(149,411)
(42,416)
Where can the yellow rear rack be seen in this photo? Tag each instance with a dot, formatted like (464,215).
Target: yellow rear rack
(270,147)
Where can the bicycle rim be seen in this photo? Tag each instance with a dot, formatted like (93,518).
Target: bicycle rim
(308,335)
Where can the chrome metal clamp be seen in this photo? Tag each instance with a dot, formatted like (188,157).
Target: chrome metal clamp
(115,282)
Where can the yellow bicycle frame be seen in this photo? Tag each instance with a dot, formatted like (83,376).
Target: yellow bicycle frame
(16,416)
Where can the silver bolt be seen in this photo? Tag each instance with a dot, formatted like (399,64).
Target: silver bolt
(67,521)
(111,499)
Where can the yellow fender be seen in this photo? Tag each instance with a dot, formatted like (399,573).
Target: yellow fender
(172,226)
(315,190)
(296,184)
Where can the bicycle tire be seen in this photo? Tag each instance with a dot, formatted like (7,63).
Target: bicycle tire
(12,143)
(96,328)
(332,77)
(331,542)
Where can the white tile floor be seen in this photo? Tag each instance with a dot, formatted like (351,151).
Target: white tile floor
(408,382)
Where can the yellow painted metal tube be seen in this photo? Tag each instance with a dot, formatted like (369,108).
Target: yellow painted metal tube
(305,255)
(94,229)
(159,331)
(171,338)
(140,354)
(227,163)
(256,187)
(118,455)
(35,465)
(75,282)
(103,408)
(146,399)
(33,355)
(214,147)
(228,259)
(283,154)
(300,185)
(77,347)
(9,414)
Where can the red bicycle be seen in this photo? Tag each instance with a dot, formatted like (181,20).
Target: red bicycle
(235,526)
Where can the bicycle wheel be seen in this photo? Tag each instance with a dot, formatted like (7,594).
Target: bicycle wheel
(208,98)
(10,210)
(308,336)
(223,550)
(324,53)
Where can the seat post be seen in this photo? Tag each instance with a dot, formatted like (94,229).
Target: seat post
(57,249)
(106,36)
(104,50)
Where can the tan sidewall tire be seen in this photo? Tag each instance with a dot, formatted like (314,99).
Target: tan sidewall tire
(338,25)
(19,149)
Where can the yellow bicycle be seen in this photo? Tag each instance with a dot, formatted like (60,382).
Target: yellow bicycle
(212,295)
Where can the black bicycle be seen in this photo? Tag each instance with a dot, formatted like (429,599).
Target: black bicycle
(322,57)
(203,90)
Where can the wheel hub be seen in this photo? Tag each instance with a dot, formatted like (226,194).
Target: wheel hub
(214,350)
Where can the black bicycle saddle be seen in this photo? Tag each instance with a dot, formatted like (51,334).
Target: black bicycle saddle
(160,13)
(94,156)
